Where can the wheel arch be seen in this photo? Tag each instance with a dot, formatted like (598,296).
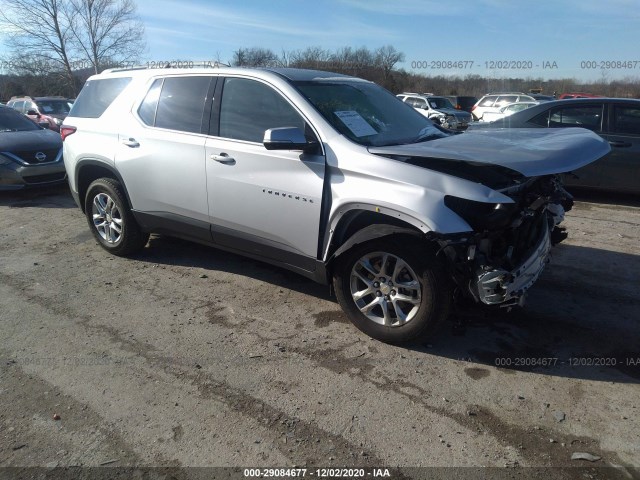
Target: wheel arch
(89,170)
(361,225)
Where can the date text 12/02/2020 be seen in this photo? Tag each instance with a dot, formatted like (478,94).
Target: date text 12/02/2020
(571,361)
(486,64)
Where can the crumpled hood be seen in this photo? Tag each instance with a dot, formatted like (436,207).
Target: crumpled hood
(529,151)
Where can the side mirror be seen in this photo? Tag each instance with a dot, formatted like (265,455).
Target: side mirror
(287,138)
(32,112)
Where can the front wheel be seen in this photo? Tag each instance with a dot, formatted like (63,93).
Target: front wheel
(110,218)
(393,291)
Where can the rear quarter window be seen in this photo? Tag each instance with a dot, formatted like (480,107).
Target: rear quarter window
(97,95)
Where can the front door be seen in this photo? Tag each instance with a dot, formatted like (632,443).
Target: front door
(265,203)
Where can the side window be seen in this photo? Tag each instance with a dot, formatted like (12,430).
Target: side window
(149,105)
(18,105)
(505,99)
(97,95)
(626,120)
(540,120)
(249,107)
(585,116)
(489,101)
(181,103)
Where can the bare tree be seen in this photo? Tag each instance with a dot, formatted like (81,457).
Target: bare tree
(255,57)
(106,32)
(386,58)
(39,36)
(310,57)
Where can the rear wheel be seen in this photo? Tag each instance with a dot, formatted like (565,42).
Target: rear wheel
(110,218)
(392,291)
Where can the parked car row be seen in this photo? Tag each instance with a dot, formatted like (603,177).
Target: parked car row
(493,102)
(617,120)
(48,112)
(438,109)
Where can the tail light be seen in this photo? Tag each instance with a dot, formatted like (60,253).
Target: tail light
(66,130)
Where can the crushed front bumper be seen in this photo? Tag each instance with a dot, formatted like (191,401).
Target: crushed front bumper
(503,287)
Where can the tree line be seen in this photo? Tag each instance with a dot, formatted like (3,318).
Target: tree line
(57,44)
(379,66)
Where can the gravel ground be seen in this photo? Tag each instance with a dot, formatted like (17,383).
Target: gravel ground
(188,356)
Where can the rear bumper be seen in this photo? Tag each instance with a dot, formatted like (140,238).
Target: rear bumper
(500,286)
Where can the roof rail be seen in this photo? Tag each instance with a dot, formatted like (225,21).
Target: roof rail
(169,65)
(424,94)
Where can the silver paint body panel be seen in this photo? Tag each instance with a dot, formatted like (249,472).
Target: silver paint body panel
(277,196)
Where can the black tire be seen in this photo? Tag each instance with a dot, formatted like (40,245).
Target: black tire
(107,210)
(427,310)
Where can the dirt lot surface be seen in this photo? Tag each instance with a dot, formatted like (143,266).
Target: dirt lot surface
(187,356)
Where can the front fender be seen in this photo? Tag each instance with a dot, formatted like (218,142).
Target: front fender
(373,232)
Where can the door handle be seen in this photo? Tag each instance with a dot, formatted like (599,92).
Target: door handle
(620,144)
(223,158)
(131,142)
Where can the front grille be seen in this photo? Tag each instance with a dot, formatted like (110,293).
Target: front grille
(29,156)
(51,177)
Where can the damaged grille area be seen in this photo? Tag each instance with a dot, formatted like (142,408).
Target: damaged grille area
(506,252)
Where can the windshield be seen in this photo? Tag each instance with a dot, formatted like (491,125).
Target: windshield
(367,113)
(440,102)
(54,107)
(12,121)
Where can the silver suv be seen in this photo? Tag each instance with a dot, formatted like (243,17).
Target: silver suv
(326,175)
(438,109)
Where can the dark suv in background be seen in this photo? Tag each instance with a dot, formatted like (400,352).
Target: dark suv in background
(49,110)
(464,102)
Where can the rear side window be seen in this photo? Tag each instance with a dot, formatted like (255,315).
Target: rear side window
(97,95)
(541,120)
(504,99)
(147,110)
(585,116)
(182,103)
(488,101)
(626,120)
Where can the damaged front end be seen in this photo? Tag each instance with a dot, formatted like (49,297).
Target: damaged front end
(511,242)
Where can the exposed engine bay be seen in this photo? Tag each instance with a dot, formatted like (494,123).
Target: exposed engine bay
(511,242)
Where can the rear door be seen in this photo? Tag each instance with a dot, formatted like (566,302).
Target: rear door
(265,203)
(620,170)
(583,115)
(161,153)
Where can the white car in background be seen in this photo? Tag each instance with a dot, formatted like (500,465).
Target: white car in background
(438,109)
(492,102)
(505,111)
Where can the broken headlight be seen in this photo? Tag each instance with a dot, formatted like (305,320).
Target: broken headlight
(481,215)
